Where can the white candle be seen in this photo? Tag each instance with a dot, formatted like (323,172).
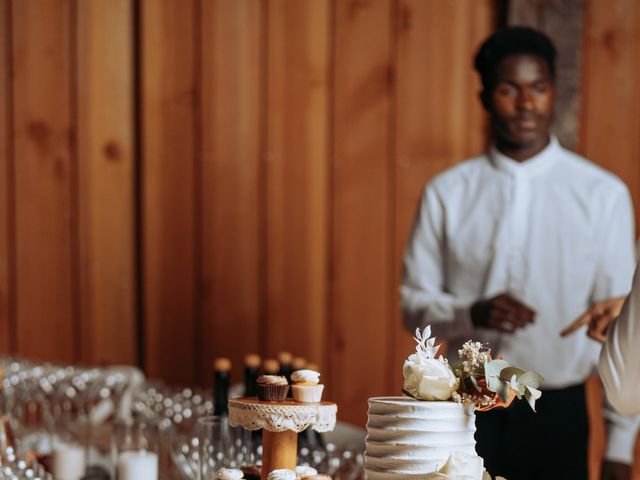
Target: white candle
(68,461)
(140,465)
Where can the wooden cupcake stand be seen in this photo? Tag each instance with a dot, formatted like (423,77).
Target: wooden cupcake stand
(281,422)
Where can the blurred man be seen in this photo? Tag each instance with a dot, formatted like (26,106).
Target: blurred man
(510,248)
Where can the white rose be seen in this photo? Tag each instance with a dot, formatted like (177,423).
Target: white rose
(428,378)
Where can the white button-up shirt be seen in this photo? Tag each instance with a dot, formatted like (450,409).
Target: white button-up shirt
(555,232)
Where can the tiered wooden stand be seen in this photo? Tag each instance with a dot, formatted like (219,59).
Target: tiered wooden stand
(281,422)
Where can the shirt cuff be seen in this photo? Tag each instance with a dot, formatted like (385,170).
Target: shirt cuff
(620,444)
(463,325)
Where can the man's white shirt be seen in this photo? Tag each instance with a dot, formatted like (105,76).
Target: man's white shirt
(556,232)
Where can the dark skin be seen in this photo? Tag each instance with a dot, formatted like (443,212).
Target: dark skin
(520,104)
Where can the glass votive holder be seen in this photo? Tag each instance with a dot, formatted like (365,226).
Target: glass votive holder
(215,445)
(135,450)
(69,446)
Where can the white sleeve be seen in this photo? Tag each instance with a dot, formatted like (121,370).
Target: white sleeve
(620,358)
(616,244)
(424,299)
(615,273)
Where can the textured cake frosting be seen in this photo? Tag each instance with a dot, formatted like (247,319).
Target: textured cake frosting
(408,438)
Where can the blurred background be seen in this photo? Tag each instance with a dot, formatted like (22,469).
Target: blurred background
(188,179)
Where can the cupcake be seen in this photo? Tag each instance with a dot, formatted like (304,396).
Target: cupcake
(282,474)
(272,388)
(229,474)
(306,387)
(305,471)
(318,476)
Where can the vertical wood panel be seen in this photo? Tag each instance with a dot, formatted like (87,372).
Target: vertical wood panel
(609,125)
(232,291)
(440,120)
(106,177)
(610,116)
(297,177)
(6,197)
(44,201)
(168,166)
(362,299)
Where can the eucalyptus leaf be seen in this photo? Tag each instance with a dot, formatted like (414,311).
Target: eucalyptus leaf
(492,371)
(531,394)
(503,391)
(508,372)
(494,367)
(531,379)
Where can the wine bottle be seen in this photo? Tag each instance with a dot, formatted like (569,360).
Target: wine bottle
(298,363)
(251,372)
(221,378)
(285,367)
(270,367)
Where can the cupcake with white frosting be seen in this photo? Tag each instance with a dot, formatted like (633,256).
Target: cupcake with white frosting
(305,471)
(229,474)
(282,474)
(272,388)
(306,386)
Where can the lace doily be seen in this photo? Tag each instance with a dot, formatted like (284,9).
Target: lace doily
(278,417)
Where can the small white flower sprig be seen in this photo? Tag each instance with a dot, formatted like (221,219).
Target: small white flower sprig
(426,347)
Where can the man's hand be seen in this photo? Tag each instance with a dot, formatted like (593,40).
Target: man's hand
(615,471)
(598,318)
(503,313)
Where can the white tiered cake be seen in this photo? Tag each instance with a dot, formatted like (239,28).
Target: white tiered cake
(408,438)
(428,434)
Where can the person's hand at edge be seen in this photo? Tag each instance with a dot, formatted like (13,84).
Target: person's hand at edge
(597,318)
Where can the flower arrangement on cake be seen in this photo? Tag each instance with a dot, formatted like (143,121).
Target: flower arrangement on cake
(476,380)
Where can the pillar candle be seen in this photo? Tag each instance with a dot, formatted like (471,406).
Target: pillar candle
(68,462)
(141,465)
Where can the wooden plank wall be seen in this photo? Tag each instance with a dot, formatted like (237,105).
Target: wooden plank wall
(7,270)
(185,179)
(67,275)
(609,122)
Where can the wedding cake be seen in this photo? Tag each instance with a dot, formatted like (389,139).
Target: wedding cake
(409,438)
(428,434)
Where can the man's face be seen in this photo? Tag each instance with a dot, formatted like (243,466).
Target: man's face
(521,101)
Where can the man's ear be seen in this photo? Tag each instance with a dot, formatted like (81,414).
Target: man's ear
(485,99)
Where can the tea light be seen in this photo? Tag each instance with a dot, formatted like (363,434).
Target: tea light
(140,465)
(68,461)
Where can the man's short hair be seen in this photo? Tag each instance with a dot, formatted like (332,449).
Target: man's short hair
(513,41)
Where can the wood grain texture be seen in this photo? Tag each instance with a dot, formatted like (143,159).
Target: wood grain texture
(106,181)
(169,150)
(608,134)
(45,204)
(439,119)
(232,289)
(7,254)
(609,120)
(296,177)
(362,289)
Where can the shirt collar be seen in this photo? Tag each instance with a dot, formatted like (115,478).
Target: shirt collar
(532,167)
